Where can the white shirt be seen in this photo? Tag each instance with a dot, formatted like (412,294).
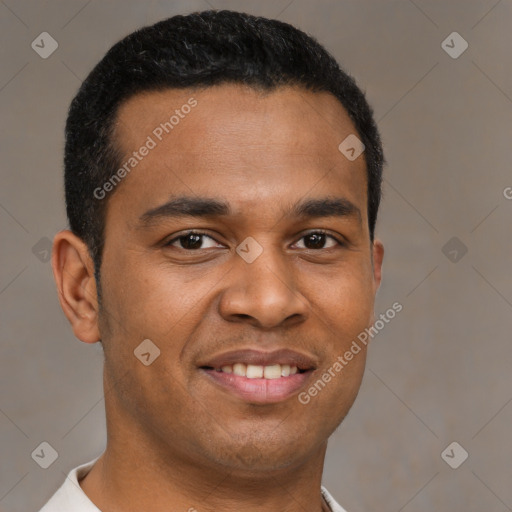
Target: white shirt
(70,497)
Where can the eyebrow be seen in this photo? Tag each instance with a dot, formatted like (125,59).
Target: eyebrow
(185,206)
(326,207)
(205,207)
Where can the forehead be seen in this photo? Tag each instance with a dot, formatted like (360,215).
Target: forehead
(232,140)
(291,116)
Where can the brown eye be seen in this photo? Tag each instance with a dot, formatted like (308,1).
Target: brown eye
(314,241)
(318,240)
(192,241)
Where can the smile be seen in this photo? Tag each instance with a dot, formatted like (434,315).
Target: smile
(259,377)
(253,371)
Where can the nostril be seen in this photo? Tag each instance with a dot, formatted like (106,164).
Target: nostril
(242,316)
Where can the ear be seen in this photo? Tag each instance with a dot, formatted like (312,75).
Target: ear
(378,256)
(73,270)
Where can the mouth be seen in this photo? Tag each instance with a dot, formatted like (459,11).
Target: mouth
(258,377)
(253,371)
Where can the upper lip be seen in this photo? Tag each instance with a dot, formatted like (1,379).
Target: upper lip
(260,358)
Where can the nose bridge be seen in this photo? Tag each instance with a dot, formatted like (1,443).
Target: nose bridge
(262,291)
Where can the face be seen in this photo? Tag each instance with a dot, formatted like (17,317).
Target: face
(239,238)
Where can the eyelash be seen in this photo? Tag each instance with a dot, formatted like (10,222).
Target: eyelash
(202,234)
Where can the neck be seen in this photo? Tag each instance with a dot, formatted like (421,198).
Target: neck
(142,471)
(131,476)
(130,482)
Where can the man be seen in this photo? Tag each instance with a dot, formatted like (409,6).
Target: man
(222,182)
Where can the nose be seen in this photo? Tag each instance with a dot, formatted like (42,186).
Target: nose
(263,293)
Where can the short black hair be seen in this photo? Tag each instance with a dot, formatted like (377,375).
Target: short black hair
(201,49)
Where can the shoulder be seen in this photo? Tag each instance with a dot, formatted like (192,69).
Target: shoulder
(70,497)
(333,504)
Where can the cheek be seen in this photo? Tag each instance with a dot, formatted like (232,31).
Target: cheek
(136,291)
(154,301)
(345,303)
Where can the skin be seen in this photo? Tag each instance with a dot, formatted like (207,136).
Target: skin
(173,436)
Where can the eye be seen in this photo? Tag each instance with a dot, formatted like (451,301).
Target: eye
(318,240)
(191,241)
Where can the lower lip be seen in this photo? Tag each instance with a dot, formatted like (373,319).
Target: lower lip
(260,391)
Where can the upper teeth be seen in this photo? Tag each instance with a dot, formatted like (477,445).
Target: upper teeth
(253,371)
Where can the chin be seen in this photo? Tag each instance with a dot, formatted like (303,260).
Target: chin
(261,456)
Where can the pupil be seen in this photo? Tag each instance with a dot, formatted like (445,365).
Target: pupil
(318,240)
(191,241)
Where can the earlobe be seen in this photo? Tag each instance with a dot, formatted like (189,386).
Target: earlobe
(73,270)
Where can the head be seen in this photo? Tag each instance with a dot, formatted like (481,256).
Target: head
(227,125)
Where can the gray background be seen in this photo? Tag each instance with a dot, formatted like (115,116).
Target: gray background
(439,372)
